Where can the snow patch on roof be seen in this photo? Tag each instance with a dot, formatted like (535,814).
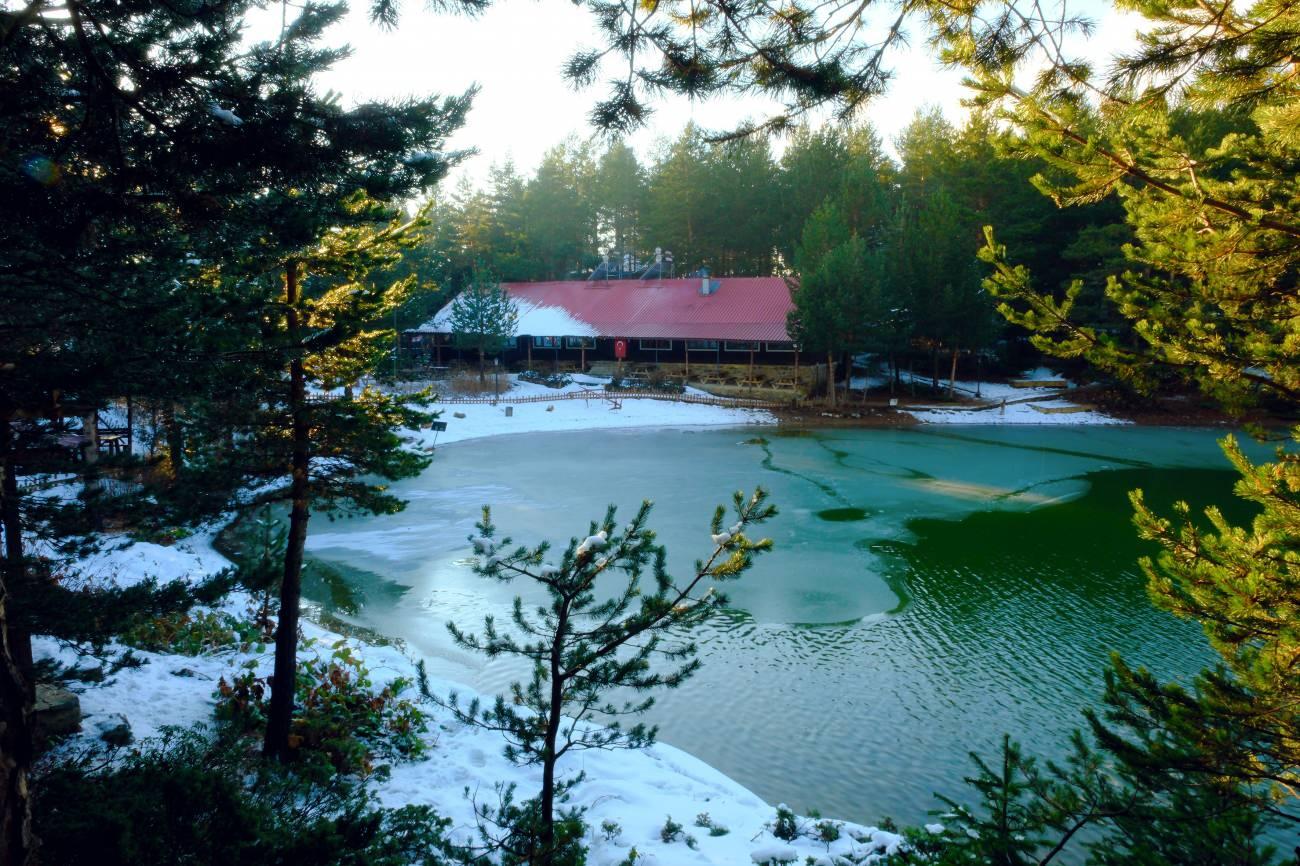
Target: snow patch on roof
(535,320)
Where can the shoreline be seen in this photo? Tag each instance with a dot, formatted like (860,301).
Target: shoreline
(636,790)
(1039,407)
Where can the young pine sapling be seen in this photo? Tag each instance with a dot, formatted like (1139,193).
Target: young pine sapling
(588,642)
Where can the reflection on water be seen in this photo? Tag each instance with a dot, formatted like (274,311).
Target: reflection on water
(928,591)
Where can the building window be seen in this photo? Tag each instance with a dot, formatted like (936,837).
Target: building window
(701,345)
(740,346)
(546,342)
(580,342)
(780,347)
(657,344)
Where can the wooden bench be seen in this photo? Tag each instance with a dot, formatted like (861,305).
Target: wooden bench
(1039,383)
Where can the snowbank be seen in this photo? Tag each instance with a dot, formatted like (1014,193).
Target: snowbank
(1032,406)
(637,791)
(577,414)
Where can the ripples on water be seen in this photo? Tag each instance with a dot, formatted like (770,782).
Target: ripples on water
(1012,553)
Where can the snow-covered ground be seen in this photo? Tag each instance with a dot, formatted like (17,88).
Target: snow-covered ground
(577,414)
(1031,406)
(1050,407)
(636,790)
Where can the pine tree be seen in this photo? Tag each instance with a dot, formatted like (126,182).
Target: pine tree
(837,279)
(619,190)
(560,213)
(184,192)
(483,318)
(589,641)
(677,202)
(1211,293)
(336,448)
(132,178)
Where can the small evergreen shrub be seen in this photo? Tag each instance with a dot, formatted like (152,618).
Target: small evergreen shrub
(706,822)
(550,380)
(164,536)
(657,384)
(186,799)
(786,826)
(610,830)
(826,831)
(338,712)
(671,831)
(510,832)
(192,634)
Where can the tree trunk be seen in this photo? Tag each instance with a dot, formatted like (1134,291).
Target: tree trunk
(546,805)
(14,565)
(934,368)
(482,367)
(16,689)
(280,715)
(830,379)
(175,440)
(893,374)
(90,483)
(952,375)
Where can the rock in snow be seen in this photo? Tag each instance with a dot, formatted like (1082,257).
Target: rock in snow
(57,712)
(112,728)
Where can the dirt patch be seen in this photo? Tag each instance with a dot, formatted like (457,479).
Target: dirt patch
(812,415)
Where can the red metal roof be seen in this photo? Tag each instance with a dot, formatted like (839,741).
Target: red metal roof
(741,308)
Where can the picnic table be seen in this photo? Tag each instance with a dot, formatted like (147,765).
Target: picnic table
(113,443)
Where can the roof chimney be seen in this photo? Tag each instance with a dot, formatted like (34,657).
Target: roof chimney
(706,286)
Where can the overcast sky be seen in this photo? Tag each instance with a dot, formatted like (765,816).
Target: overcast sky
(515,51)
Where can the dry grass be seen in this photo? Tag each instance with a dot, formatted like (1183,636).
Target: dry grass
(465,383)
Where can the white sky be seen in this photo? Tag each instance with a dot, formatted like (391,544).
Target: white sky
(515,51)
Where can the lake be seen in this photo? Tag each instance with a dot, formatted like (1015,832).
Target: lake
(930,588)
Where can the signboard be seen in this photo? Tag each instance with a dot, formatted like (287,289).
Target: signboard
(438,426)
(620,349)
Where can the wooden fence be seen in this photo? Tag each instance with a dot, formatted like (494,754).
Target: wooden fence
(696,399)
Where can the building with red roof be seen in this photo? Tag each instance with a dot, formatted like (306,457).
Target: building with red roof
(727,320)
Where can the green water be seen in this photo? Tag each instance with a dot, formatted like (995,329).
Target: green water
(929,590)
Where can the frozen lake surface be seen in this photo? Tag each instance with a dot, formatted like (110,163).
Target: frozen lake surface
(930,588)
